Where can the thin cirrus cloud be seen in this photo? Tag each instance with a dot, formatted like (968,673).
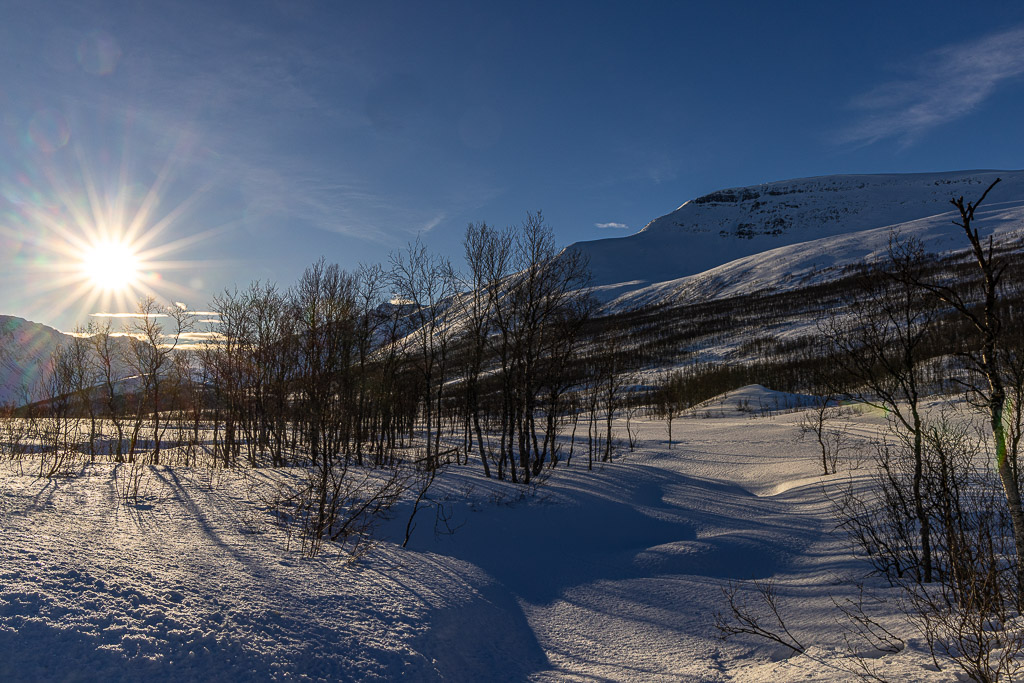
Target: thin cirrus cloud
(433,223)
(617,226)
(946,85)
(110,314)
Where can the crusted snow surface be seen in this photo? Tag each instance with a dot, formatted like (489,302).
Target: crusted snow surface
(193,584)
(610,574)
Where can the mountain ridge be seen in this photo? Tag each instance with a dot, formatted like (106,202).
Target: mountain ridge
(722,226)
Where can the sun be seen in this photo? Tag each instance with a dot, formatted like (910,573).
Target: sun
(111,266)
(96,237)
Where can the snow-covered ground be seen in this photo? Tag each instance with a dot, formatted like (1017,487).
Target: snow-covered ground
(614,574)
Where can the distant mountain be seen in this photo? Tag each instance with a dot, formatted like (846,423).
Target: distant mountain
(724,226)
(25,348)
(25,351)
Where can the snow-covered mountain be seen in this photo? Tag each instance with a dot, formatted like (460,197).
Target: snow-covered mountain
(799,265)
(25,348)
(721,227)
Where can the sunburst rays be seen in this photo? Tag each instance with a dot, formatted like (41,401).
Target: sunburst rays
(89,241)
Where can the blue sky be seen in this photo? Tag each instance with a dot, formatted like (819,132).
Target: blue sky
(241,141)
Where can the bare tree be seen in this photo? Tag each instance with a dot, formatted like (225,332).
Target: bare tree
(988,359)
(108,367)
(80,355)
(613,379)
(423,284)
(371,283)
(543,308)
(880,341)
(60,428)
(488,254)
(669,400)
(152,347)
(325,304)
(819,422)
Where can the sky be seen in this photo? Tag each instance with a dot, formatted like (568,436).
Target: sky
(221,143)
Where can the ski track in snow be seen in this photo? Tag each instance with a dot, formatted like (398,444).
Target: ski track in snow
(614,574)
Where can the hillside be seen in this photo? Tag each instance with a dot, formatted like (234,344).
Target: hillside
(24,348)
(735,223)
(795,266)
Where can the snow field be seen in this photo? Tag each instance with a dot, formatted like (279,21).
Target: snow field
(614,574)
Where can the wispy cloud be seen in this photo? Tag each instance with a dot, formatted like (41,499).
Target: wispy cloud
(618,226)
(292,191)
(433,223)
(945,85)
(199,336)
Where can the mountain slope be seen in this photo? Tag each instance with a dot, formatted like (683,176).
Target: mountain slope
(799,265)
(723,226)
(25,347)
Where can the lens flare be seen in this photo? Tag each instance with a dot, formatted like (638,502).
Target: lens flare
(74,241)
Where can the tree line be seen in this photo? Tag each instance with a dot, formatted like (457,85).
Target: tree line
(359,366)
